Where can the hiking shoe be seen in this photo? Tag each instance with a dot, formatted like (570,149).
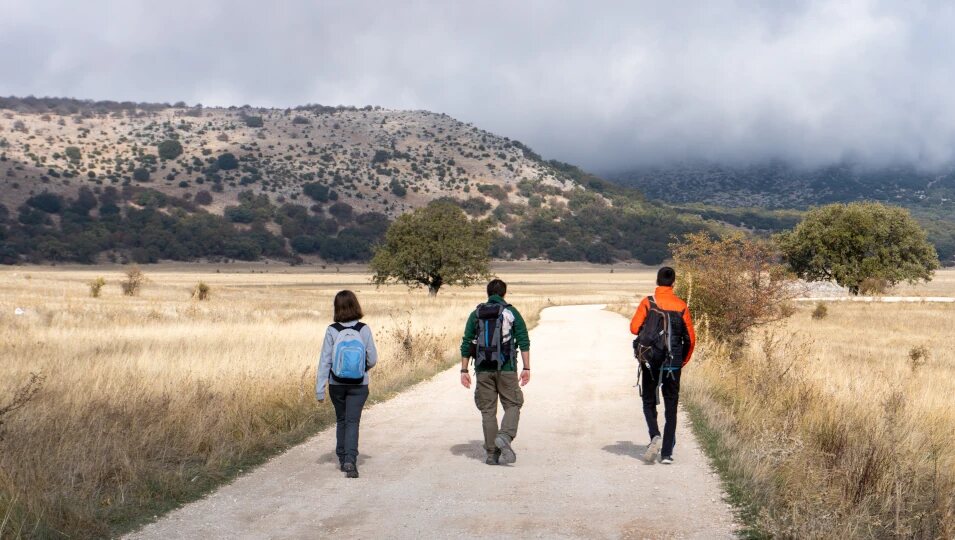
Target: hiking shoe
(667,460)
(351,471)
(653,449)
(493,458)
(503,443)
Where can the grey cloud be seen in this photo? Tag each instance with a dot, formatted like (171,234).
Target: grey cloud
(602,84)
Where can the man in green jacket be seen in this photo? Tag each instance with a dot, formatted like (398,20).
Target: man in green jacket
(497,378)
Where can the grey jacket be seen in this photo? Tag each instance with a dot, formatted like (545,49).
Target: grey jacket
(328,349)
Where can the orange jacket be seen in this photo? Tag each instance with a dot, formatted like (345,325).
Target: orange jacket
(665,298)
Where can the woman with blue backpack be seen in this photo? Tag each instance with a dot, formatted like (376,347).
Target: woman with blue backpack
(347,354)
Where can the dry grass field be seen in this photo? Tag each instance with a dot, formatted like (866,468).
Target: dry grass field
(829,427)
(842,426)
(148,401)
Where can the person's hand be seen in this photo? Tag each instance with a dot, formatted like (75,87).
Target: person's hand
(525,377)
(465,379)
(321,399)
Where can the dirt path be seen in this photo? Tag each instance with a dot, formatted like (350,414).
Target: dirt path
(423,476)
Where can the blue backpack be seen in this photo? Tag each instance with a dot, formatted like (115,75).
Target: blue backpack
(348,360)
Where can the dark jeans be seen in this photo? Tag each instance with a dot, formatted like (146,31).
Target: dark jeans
(348,399)
(671,395)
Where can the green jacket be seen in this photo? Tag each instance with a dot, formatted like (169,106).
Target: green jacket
(518,332)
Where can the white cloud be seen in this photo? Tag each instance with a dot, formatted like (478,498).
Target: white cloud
(603,84)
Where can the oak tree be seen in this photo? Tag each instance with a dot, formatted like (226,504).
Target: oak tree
(434,246)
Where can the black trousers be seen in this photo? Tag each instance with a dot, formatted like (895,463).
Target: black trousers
(349,400)
(671,396)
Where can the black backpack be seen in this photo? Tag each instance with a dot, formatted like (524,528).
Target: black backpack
(660,343)
(489,347)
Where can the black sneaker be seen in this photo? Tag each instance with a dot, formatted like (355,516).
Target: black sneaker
(351,471)
(493,458)
(667,460)
(503,443)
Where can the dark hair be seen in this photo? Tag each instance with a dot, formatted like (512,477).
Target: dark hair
(347,307)
(666,276)
(496,287)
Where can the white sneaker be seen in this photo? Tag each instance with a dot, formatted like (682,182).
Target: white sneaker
(653,449)
(667,460)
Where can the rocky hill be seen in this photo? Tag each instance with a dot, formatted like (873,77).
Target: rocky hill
(375,160)
(83,181)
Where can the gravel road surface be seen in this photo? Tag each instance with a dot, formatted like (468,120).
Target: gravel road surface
(578,472)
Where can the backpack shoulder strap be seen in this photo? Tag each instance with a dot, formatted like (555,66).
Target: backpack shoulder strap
(341,327)
(652,301)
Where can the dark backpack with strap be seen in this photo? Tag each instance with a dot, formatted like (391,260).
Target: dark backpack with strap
(660,343)
(490,347)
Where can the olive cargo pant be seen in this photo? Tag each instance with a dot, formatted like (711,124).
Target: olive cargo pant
(490,386)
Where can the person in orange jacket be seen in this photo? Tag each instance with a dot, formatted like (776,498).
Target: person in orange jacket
(664,344)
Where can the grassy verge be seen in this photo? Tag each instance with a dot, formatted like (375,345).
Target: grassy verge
(801,458)
(721,457)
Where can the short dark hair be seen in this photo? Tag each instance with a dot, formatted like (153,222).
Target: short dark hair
(666,277)
(496,287)
(347,307)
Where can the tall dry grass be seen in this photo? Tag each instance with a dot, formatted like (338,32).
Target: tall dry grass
(150,400)
(833,427)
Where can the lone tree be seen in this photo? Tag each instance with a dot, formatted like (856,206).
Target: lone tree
(859,243)
(434,246)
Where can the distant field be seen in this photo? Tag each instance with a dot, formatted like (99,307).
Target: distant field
(150,400)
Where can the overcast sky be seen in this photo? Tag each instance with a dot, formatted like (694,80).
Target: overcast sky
(602,84)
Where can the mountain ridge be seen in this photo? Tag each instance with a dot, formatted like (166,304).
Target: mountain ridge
(80,180)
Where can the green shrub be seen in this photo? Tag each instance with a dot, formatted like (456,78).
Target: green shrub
(169,149)
(50,203)
(396,188)
(227,161)
(239,214)
(735,281)
(342,211)
(318,192)
(253,121)
(203,197)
